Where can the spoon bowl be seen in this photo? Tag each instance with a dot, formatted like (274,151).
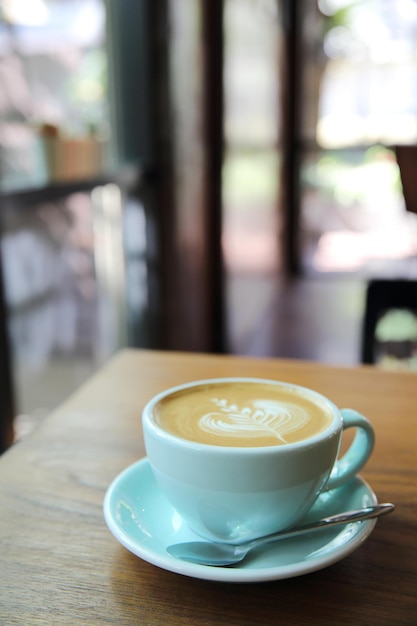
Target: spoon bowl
(218,554)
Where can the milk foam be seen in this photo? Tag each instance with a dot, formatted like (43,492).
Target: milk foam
(243,414)
(265,417)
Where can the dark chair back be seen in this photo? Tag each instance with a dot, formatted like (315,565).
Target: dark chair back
(383,296)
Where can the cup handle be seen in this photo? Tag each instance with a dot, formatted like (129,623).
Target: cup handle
(359,452)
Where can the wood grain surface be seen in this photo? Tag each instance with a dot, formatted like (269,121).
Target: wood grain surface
(59,563)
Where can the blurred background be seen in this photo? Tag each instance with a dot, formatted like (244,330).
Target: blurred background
(228,176)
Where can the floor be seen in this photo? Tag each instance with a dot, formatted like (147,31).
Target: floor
(316,318)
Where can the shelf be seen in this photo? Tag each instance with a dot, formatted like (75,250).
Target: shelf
(128,178)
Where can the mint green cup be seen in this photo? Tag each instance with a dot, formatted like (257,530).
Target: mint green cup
(235,494)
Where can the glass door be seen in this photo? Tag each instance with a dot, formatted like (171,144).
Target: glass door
(252,161)
(359,85)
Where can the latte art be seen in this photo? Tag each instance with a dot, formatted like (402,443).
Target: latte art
(243,414)
(265,417)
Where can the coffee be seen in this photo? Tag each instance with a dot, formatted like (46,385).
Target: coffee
(243,414)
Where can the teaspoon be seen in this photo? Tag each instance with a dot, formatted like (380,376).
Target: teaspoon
(222,554)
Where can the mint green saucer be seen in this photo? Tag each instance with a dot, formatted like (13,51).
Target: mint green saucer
(143,521)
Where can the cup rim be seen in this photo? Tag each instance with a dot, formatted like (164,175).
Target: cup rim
(334,427)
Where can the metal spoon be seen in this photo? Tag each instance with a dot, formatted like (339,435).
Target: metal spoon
(222,554)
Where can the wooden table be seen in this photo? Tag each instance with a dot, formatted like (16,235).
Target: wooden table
(59,563)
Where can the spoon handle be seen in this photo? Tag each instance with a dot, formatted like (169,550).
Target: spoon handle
(341,518)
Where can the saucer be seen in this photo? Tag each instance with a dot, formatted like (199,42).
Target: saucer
(143,521)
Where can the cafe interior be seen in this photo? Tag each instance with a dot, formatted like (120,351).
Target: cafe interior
(233,176)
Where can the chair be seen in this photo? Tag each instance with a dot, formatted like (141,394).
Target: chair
(384,297)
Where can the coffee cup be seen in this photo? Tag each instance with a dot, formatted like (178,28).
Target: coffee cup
(240,458)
